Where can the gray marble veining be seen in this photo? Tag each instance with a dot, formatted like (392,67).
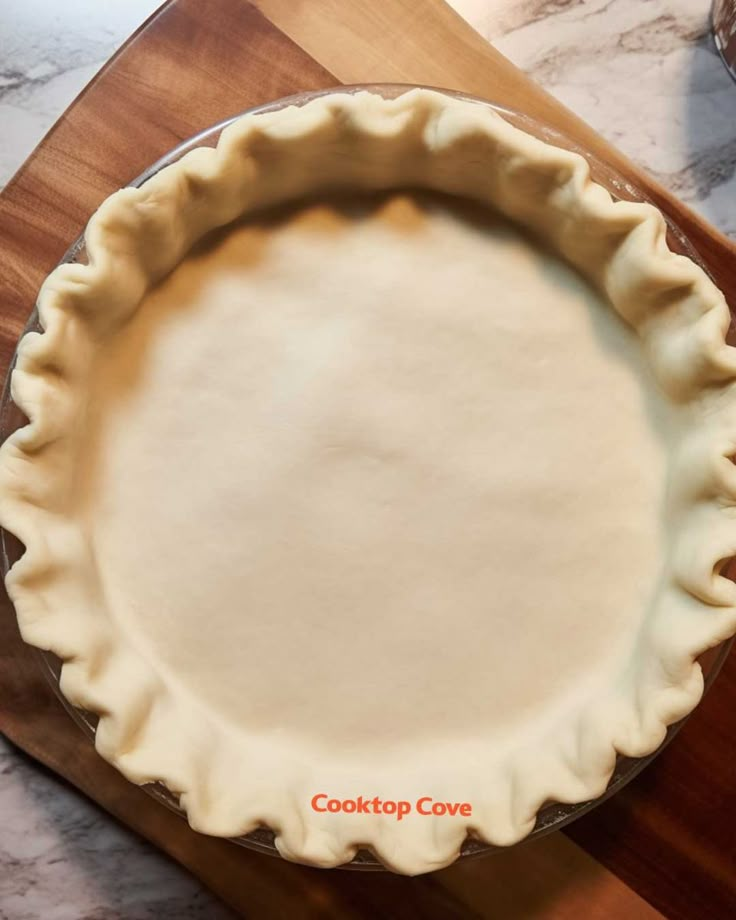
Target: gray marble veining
(642,72)
(63,858)
(49,50)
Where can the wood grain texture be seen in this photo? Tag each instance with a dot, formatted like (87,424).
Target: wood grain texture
(164,86)
(549,879)
(672,832)
(670,835)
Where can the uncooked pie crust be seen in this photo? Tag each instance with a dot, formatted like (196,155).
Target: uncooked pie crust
(369,496)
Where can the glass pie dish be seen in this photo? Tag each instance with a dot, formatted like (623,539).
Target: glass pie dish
(552,815)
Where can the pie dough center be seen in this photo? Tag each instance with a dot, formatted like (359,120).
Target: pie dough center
(351,469)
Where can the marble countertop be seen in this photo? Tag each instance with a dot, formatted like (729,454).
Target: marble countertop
(644,73)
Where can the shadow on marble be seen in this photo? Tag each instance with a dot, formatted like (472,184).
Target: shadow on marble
(710,118)
(67,859)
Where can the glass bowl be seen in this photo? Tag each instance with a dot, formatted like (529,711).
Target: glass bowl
(552,816)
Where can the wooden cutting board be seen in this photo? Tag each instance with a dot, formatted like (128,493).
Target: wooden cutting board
(669,837)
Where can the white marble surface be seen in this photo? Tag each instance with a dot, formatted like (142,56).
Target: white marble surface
(62,858)
(643,72)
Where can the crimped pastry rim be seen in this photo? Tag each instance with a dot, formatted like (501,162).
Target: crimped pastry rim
(712,370)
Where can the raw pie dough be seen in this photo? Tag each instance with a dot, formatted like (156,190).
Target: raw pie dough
(339,481)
